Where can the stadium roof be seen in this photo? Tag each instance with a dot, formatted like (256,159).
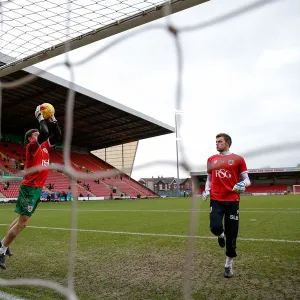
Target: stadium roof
(98,121)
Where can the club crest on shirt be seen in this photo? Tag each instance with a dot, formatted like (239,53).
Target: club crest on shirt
(45,150)
(230,162)
(215,162)
(45,162)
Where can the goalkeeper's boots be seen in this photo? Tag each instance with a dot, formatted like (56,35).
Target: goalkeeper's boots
(2,261)
(228,272)
(8,252)
(221,241)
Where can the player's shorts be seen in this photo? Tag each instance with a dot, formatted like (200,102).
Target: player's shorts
(28,200)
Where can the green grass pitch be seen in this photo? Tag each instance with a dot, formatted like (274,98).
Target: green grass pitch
(148,262)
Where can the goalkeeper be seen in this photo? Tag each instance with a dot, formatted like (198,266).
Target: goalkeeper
(37,154)
(227,178)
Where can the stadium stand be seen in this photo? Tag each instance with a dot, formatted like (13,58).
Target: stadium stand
(121,185)
(101,124)
(12,191)
(267,188)
(61,183)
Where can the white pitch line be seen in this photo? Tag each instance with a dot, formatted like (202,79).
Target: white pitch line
(155,234)
(6,296)
(126,210)
(273,208)
(178,210)
(166,210)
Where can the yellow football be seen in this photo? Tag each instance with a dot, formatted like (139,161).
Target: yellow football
(47,110)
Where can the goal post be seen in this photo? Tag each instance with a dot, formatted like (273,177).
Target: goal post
(78,25)
(296,189)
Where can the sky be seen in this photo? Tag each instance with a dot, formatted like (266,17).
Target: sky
(240,77)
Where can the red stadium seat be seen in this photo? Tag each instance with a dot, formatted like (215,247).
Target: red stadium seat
(80,162)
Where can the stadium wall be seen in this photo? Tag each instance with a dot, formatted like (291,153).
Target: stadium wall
(267,181)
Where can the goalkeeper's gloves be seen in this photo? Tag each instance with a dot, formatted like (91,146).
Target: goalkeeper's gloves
(239,187)
(205,195)
(38,113)
(52,119)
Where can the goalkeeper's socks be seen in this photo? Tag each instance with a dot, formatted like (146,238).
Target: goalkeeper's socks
(3,250)
(228,262)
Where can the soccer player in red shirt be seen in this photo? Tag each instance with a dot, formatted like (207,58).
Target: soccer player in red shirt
(37,154)
(227,178)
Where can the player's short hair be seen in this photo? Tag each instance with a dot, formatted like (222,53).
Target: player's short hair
(226,137)
(29,133)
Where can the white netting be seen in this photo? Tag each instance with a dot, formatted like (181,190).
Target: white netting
(296,189)
(32,26)
(50,18)
(38,29)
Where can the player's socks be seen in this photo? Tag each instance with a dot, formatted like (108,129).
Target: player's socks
(229,261)
(221,240)
(3,250)
(7,251)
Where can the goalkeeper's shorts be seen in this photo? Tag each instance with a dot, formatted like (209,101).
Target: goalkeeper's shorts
(28,200)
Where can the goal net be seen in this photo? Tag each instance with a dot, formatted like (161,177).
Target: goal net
(296,189)
(36,30)
(33,31)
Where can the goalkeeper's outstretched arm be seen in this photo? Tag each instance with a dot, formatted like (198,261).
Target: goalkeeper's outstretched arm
(44,131)
(54,131)
(53,127)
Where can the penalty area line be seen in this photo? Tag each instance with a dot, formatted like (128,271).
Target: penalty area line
(157,234)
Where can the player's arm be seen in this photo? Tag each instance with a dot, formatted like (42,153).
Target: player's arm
(208,182)
(240,187)
(44,131)
(244,177)
(206,192)
(55,132)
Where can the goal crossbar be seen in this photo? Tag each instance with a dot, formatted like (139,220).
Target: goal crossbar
(115,27)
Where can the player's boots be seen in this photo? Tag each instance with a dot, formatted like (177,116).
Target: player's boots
(221,241)
(228,272)
(8,252)
(2,261)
